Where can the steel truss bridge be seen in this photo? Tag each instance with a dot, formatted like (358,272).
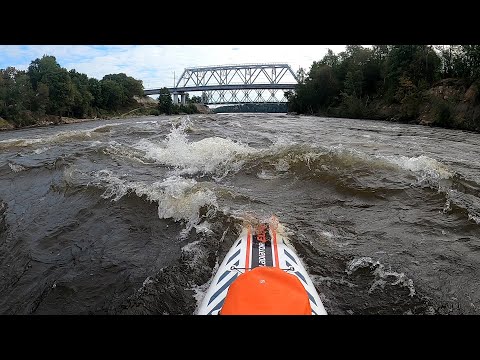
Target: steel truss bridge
(234,84)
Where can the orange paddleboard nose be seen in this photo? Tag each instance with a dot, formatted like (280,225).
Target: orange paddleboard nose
(266,291)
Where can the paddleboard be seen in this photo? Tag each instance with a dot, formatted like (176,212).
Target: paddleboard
(261,275)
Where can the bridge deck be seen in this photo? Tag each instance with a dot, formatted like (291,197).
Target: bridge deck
(179,90)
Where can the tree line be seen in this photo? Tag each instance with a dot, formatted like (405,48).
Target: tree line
(360,80)
(251,108)
(46,88)
(382,82)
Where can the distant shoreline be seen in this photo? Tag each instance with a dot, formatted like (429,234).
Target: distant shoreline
(62,121)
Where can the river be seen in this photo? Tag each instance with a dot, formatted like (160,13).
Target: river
(132,216)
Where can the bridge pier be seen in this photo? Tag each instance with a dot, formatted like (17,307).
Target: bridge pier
(183,98)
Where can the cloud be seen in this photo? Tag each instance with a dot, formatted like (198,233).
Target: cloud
(157,65)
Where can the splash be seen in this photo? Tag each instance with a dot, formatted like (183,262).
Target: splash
(16,167)
(213,155)
(41,150)
(423,166)
(182,200)
(469,202)
(117,150)
(266,175)
(474,218)
(178,198)
(382,276)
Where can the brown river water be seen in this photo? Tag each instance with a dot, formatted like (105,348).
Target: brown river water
(133,216)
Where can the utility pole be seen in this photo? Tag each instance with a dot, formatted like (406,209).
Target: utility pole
(174,78)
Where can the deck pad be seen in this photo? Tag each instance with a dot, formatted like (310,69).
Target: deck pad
(262,249)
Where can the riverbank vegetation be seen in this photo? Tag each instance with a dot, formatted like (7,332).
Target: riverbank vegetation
(420,84)
(47,93)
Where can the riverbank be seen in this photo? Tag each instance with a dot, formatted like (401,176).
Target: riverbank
(47,121)
(52,120)
(448,104)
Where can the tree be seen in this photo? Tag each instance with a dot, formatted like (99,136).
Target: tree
(467,65)
(420,64)
(301,75)
(129,86)
(82,97)
(165,102)
(112,94)
(95,88)
(196,100)
(60,88)
(16,96)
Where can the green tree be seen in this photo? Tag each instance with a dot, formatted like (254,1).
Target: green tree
(301,75)
(419,64)
(60,87)
(467,65)
(112,94)
(196,100)
(16,96)
(95,88)
(82,97)
(165,102)
(41,99)
(129,87)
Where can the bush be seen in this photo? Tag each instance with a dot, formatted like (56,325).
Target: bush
(352,106)
(443,114)
(154,112)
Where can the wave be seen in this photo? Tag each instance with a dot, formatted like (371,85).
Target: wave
(178,198)
(212,155)
(382,277)
(59,138)
(16,167)
(350,168)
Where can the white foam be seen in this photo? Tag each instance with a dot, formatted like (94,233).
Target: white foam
(469,202)
(474,218)
(178,198)
(381,275)
(209,155)
(116,149)
(41,150)
(181,201)
(361,262)
(282,165)
(204,228)
(425,168)
(266,175)
(317,279)
(327,234)
(196,253)
(421,165)
(16,167)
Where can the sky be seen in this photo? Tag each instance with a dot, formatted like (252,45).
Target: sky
(158,65)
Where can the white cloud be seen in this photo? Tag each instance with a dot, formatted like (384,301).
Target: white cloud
(155,65)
